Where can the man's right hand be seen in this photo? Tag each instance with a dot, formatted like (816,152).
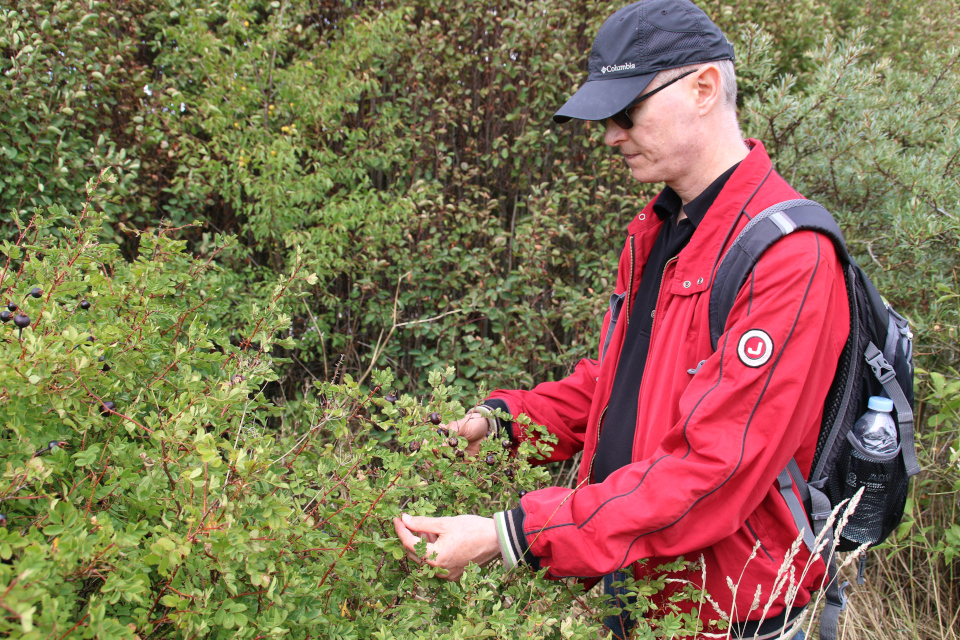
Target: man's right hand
(473,427)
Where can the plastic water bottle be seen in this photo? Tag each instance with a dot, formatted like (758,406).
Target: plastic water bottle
(872,464)
(875,430)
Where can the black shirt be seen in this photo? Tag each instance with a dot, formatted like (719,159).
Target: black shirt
(615,446)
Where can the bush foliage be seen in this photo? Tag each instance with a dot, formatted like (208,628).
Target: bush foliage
(403,154)
(145,496)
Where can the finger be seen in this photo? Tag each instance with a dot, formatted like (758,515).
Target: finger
(473,426)
(457,425)
(423,525)
(451,576)
(407,538)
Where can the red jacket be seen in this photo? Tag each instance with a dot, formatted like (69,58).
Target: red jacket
(708,445)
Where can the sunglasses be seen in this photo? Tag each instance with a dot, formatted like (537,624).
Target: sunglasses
(622,118)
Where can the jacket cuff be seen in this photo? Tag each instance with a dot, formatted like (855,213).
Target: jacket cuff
(513,542)
(503,426)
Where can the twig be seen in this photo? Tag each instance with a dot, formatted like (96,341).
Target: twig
(323,350)
(357,528)
(75,626)
(380,340)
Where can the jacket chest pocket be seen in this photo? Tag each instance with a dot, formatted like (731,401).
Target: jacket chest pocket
(616,305)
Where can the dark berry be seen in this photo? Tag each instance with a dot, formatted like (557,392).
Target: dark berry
(5,316)
(459,453)
(508,472)
(413,447)
(85,304)
(12,306)
(21,320)
(54,444)
(452,441)
(443,432)
(91,339)
(108,408)
(390,398)
(522,492)
(36,292)
(506,444)
(491,460)
(106,367)
(434,418)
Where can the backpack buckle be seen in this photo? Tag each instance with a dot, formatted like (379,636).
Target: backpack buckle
(843,595)
(882,369)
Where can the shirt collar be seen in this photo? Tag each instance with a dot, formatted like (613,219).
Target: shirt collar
(668,203)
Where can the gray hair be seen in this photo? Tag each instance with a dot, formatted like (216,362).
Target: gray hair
(728,79)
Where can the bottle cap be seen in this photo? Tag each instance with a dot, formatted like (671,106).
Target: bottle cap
(879,403)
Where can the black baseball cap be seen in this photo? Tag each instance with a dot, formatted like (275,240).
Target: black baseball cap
(634,45)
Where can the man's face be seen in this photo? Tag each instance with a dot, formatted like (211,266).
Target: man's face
(661,145)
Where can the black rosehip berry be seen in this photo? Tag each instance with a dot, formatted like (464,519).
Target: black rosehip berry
(390,398)
(107,408)
(443,432)
(508,472)
(106,367)
(491,460)
(522,492)
(434,418)
(12,306)
(84,304)
(5,316)
(452,441)
(506,444)
(459,453)
(36,292)
(21,320)
(413,447)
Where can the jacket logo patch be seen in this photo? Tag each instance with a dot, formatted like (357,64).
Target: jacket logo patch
(755,348)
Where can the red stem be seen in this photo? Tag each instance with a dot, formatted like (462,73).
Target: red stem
(357,528)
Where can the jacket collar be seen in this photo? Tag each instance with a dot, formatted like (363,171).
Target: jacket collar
(696,263)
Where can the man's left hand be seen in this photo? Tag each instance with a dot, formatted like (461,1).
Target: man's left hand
(456,541)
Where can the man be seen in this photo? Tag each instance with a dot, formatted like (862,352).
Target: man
(682,444)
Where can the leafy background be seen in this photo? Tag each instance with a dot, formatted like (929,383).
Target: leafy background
(379,186)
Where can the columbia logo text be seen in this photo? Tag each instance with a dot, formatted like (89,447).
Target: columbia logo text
(618,67)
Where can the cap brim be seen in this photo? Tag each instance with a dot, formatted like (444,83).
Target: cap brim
(600,99)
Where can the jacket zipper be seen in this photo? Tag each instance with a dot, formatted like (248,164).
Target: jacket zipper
(594,458)
(653,329)
(629,301)
(633,254)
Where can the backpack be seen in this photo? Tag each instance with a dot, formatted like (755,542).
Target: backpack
(877,360)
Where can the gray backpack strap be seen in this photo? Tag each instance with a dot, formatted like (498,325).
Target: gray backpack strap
(884,372)
(616,304)
(836,599)
(796,509)
(761,232)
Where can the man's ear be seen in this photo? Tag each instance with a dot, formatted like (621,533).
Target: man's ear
(709,89)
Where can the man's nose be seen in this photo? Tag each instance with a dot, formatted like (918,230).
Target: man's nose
(614,135)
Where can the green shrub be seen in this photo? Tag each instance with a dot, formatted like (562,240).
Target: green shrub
(143,495)
(70,81)
(410,156)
